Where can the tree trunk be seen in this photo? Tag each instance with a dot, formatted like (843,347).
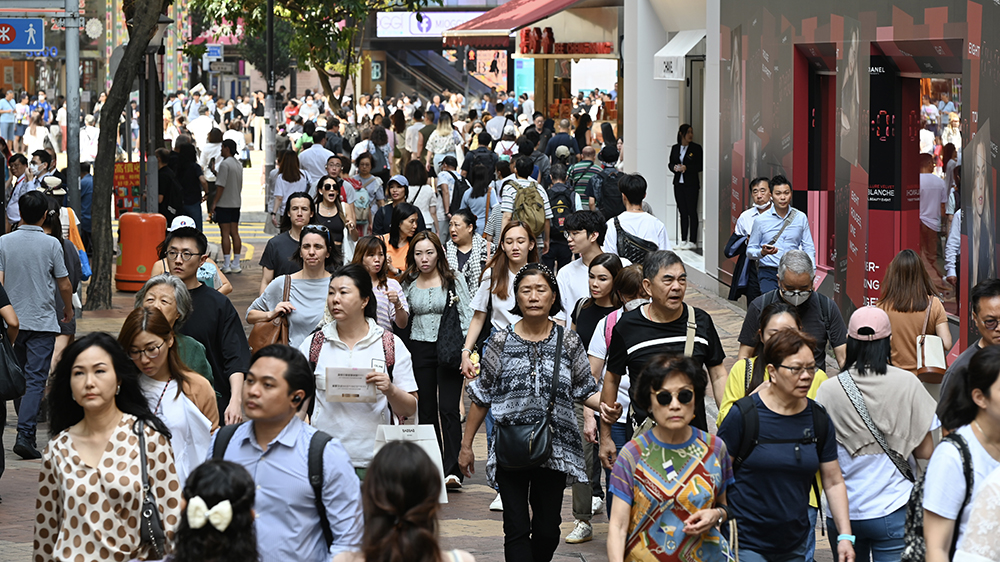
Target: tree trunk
(144,21)
(324,80)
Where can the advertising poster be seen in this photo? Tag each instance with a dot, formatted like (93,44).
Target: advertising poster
(128,198)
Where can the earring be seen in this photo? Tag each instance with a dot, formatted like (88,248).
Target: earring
(118,390)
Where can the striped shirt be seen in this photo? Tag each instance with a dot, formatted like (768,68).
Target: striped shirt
(579,174)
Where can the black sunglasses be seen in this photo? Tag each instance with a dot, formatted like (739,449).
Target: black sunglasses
(664,397)
(328,186)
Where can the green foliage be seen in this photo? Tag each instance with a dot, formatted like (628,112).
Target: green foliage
(253,46)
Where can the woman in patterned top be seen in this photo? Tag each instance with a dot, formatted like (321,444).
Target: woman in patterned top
(90,491)
(519,366)
(669,483)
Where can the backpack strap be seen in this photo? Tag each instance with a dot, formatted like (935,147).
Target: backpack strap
(748,367)
(821,427)
(609,326)
(315,346)
(577,309)
(222,438)
(317,445)
(751,430)
(389,349)
(967,470)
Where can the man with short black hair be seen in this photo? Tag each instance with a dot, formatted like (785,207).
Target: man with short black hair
(226,206)
(201,125)
(213,322)
(509,190)
(594,191)
(777,230)
(312,161)
(42,165)
(531,146)
(563,200)
(985,301)
(634,220)
(481,155)
(274,446)
(745,275)
(19,179)
(32,272)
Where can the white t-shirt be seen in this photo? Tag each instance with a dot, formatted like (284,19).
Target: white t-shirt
(312,161)
(501,307)
(190,429)
(355,423)
(643,225)
(574,284)
(422,197)
(599,349)
(283,189)
(933,193)
(944,482)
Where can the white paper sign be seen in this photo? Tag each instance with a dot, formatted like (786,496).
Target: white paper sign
(422,435)
(348,385)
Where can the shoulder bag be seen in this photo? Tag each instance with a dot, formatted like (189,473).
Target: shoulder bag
(274,331)
(450,339)
(526,446)
(858,400)
(931,364)
(632,247)
(12,381)
(150,528)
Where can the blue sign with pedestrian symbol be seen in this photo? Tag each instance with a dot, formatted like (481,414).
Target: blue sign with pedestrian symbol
(21,34)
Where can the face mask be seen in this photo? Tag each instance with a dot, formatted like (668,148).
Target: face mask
(763,207)
(477,130)
(33,168)
(795,298)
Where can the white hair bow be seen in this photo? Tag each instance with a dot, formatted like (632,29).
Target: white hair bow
(220,516)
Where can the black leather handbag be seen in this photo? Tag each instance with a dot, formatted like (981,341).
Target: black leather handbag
(150,528)
(450,339)
(12,382)
(526,446)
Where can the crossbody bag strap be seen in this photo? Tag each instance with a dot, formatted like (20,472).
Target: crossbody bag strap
(784,225)
(927,315)
(692,328)
(556,367)
(748,375)
(288,288)
(854,394)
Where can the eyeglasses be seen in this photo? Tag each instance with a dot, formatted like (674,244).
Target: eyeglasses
(797,371)
(151,352)
(990,323)
(185,255)
(664,397)
(793,294)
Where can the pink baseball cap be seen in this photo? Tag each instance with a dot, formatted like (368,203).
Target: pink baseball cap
(869,323)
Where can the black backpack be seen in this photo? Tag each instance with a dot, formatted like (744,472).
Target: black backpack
(751,433)
(915,548)
(316,447)
(562,201)
(606,193)
(458,189)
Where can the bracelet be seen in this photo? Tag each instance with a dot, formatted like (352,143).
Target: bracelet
(469,350)
(846,538)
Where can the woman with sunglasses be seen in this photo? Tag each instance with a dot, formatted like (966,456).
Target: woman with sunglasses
(306,299)
(330,210)
(656,516)
(183,399)
(790,443)
(531,370)
(278,256)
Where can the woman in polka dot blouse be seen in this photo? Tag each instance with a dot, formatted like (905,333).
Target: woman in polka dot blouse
(90,486)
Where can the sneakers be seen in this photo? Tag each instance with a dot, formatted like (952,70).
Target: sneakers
(583,532)
(235,268)
(452,482)
(497,504)
(225,269)
(25,449)
(596,505)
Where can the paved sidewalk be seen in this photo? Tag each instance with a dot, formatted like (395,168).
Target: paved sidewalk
(466,522)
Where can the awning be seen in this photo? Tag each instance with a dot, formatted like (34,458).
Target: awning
(493,29)
(668,62)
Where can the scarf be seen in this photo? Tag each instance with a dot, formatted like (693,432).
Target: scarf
(474,266)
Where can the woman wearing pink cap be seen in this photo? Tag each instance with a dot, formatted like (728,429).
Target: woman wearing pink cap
(883,416)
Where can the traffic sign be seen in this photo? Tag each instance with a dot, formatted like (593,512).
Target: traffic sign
(213,52)
(222,67)
(22,34)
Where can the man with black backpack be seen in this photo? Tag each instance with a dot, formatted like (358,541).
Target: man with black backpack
(526,201)
(308,504)
(634,233)
(481,155)
(563,202)
(603,193)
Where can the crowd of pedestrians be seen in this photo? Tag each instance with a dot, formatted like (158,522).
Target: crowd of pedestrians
(436,259)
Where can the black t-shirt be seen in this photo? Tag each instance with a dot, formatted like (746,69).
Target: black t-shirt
(187,175)
(462,257)
(812,313)
(278,254)
(334,224)
(586,320)
(216,325)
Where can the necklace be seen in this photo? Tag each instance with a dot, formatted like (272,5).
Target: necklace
(164,391)
(985,440)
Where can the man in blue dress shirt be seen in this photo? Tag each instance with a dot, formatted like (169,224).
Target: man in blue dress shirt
(770,237)
(274,447)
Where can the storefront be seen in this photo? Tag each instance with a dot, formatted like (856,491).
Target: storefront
(840,103)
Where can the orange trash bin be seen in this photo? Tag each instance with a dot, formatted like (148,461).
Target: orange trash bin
(139,234)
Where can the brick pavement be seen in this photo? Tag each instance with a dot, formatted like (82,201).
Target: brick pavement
(466,522)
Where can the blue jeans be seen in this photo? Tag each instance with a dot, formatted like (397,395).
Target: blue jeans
(194,211)
(7,131)
(767,279)
(34,352)
(490,420)
(621,433)
(811,538)
(877,540)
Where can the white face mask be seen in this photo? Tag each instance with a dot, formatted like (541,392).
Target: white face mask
(763,207)
(33,168)
(477,130)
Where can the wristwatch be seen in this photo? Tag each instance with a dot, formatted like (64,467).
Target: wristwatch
(846,538)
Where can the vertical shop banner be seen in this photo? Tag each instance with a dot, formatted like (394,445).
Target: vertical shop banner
(128,199)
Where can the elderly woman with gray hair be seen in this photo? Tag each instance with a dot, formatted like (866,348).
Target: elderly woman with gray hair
(168,294)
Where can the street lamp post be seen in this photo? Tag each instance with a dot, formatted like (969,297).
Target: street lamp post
(147,100)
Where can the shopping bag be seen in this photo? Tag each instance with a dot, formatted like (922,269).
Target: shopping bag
(422,435)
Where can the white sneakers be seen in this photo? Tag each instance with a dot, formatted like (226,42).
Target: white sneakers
(596,505)
(497,504)
(583,532)
(685,245)
(451,482)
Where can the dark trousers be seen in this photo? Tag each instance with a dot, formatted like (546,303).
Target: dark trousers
(33,351)
(753,282)
(440,390)
(558,252)
(686,197)
(531,536)
(767,279)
